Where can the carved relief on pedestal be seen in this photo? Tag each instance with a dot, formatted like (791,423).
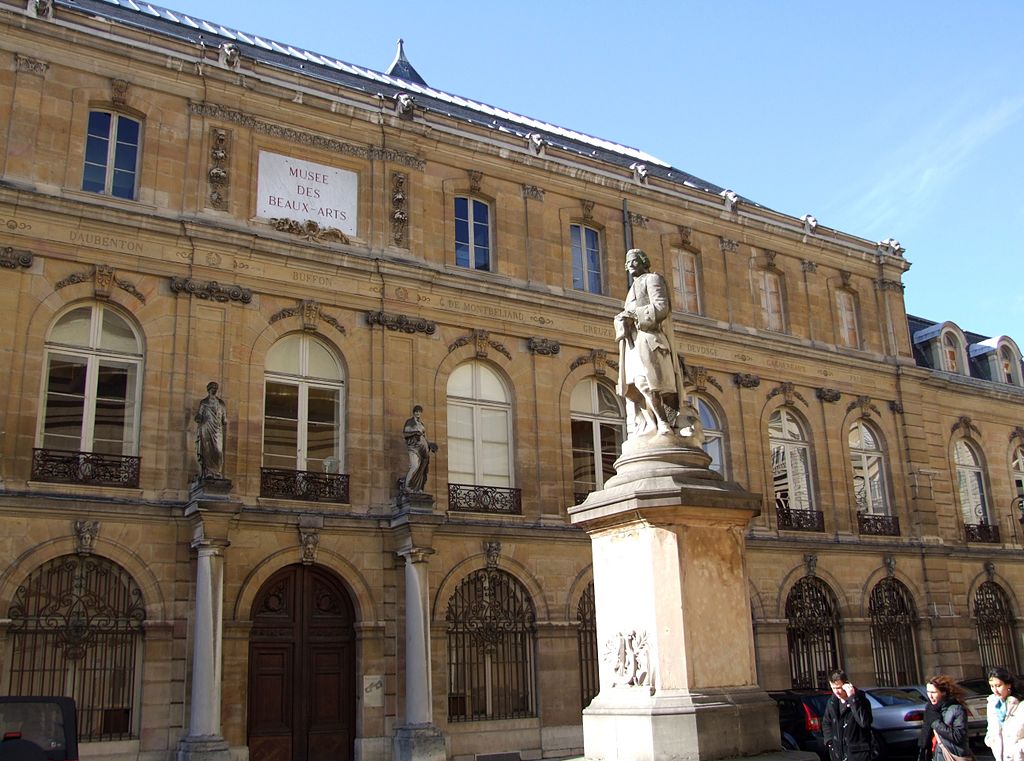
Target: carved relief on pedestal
(626,658)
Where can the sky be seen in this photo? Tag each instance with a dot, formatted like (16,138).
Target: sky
(883,118)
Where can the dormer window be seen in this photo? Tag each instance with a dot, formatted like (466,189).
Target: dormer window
(952,351)
(998,360)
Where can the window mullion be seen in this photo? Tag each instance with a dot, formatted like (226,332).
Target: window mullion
(302,424)
(89,403)
(108,180)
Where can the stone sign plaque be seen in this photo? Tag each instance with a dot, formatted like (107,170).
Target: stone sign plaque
(295,189)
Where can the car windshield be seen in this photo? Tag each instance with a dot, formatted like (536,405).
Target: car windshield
(817,702)
(890,696)
(42,723)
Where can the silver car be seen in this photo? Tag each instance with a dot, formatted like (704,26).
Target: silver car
(976,709)
(896,715)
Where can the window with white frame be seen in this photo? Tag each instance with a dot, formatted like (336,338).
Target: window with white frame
(112,154)
(92,383)
(303,406)
(952,353)
(1009,366)
(687,282)
(479,427)
(790,461)
(772,309)
(846,307)
(714,433)
(598,428)
(868,463)
(970,479)
(472,233)
(586,258)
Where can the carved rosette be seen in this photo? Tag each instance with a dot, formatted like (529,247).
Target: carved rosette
(627,659)
(12,258)
(402,323)
(543,346)
(399,209)
(217,176)
(211,291)
(481,340)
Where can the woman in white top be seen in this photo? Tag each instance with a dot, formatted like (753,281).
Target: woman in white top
(1005,735)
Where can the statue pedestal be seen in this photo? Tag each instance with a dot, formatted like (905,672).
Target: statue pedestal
(676,647)
(413,501)
(209,487)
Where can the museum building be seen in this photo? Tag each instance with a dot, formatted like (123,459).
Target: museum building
(184,203)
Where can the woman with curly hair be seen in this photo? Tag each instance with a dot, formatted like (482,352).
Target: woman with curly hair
(949,727)
(1005,735)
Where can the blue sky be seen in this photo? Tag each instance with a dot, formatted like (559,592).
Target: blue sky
(900,119)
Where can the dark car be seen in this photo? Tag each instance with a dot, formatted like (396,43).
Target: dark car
(800,719)
(38,728)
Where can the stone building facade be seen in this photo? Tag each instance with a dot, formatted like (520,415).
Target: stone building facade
(181,203)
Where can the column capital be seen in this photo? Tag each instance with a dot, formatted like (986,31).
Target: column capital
(209,547)
(415,554)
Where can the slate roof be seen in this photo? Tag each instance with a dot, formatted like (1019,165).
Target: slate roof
(402,78)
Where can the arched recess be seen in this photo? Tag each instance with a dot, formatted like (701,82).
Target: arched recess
(466,566)
(894,629)
(812,628)
(996,626)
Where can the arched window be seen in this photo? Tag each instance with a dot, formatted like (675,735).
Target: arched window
(868,462)
(894,633)
(92,386)
(598,428)
(996,629)
(970,480)
(491,642)
(303,410)
(846,308)
(112,154)
(812,622)
(586,623)
(479,427)
(76,630)
(714,433)
(1009,366)
(791,472)
(952,353)
(773,312)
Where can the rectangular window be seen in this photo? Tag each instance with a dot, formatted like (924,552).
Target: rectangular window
(472,234)
(771,301)
(586,258)
(687,282)
(111,154)
(846,305)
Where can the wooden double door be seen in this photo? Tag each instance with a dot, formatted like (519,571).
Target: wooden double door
(302,664)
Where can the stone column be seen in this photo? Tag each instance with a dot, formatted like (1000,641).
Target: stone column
(678,680)
(418,739)
(204,741)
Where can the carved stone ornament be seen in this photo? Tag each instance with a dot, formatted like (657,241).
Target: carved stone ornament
(229,55)
(811,564)
(685,235)
(699,377)
(890,247)
(481,340)
(312,313)
(30,65)
(119,92)
(493,551)
(402,323)
(533,192)
(588,210)
(863,406)
(746,380)
(883,284)
(309,230)
(536,142)
(1017,434)
(217,176)
(810,223)
(966,426)
(405,106)
(730,199)
(211,291)
(217,111)
(103,278)
(543,346)
(12,258)
(640,173)
(808,266)
(769,258)
(85,536)
(597,357)
(890,565)
(475,178)
(727,244)
(638,220)
(626,656)
(895,407)
(829,395)
(789,393)
(990,570)
(844,277)
(41,8)
(399,209)
(309,542)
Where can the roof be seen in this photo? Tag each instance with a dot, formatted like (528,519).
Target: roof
(401,78)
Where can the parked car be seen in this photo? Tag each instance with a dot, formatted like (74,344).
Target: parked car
(976,710)
(800,719)
(896,715)
(38,728)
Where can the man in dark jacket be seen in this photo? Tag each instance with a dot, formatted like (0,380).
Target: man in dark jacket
(846,725)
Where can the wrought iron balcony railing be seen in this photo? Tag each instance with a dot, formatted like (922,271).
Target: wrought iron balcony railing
(304,485)
(982,532)
(57,466)
(470,498)
(800,520)
(878,525)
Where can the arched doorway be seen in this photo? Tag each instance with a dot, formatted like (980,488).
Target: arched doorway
(302,665)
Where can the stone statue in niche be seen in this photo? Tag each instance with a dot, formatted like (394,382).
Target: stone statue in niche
(650,379)
(415,433)
(211,432)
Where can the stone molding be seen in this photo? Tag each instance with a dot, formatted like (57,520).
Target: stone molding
(402,323)
(211,291)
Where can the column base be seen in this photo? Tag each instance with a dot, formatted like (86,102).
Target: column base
(630,724)
(204,748)
(419,742)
